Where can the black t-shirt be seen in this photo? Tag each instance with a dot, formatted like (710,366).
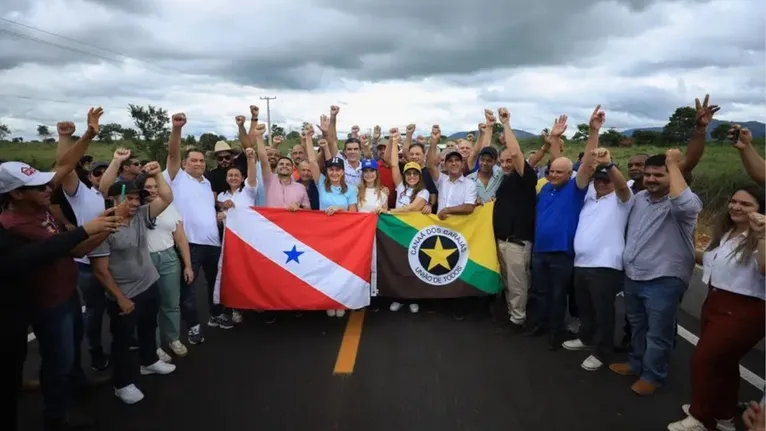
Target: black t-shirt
(58,198)
(217,176)
(514,213)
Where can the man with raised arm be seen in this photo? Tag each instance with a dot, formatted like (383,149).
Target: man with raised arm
(195,200)
(558,211)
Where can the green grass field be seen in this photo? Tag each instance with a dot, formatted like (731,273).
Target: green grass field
(715,178)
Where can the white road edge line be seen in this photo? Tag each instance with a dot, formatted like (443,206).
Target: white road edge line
(746,374)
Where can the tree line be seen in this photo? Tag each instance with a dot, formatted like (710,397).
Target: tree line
(150,132)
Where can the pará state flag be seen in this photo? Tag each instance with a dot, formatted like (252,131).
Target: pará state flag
(274,259)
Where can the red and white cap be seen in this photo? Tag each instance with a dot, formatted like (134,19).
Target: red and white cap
(14,175)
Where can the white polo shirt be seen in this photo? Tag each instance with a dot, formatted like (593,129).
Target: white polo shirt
(353,174)
(454,193)
(721,269)
(87,204)
(600,237)
(195,202)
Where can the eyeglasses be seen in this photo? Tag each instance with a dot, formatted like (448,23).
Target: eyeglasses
(224,158)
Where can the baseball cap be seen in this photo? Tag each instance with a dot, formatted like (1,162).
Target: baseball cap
(335,161)
(452,151)
(370,164)
(488,151)
(130,187)
(14,175)
(412,165)
(601,173)
(97,165)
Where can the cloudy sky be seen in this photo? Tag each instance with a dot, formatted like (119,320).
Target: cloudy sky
(388,62)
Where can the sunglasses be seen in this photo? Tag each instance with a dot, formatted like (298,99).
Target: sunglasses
(40,188)
(224,158)
(97,173)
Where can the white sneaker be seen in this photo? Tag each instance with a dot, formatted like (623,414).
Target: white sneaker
(414,308)
(164,357)
(129,394)
(591,363)
(331,313)
(340,313)
(688,424)
(236,316)
(178,348)
(574,345)
(395,306)
(158,367)
(721,425)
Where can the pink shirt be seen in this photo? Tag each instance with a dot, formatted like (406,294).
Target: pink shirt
(279,195)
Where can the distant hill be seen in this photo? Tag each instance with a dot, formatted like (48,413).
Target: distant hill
(758,128)
(520,134)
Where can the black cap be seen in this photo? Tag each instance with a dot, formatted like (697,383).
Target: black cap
(488,151)
(97,165)
(601,173)
(453,152)
(335,161)
(130,187)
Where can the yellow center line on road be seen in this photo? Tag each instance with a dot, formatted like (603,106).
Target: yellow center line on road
(349,347)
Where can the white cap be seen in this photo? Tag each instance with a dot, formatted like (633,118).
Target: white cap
(14,175)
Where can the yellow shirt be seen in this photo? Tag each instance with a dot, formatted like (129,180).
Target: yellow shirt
(540,183)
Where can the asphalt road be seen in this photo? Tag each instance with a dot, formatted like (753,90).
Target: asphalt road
(412,372)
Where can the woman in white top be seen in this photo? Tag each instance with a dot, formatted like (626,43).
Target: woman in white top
(732,320)
(372,196)
(411,196)
(241,193)
(166,241)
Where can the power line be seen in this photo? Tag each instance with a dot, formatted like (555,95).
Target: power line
(58,101)
(46,42)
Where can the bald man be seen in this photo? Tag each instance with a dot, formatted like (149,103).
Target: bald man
(557,215)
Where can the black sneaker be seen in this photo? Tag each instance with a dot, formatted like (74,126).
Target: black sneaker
(223,321)
(134,344)
(195,336)
(99,361)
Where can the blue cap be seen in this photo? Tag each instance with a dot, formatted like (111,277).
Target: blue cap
(369,164)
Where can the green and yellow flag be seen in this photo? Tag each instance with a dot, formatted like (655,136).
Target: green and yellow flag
(423,257)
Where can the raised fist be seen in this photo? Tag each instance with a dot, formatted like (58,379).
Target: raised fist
(93,117)
(393,131)
(334,110)
(121,154)
(240,120)
(322,143)
(355,131)
(757,224)
(674,156)
(436,134)
(420,139)
(376,132)
(602,156)
(504,115)
(65,128)
(276,140)
(250,153)
(260,130)
(253,111)
(410,129)
(179,120)
(152,169)
(365,140)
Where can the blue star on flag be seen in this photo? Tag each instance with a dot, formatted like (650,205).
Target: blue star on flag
(293,254)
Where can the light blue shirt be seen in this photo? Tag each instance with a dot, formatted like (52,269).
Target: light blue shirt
(260,191)
(334,198)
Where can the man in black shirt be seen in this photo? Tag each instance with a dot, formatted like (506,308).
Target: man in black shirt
(513,219)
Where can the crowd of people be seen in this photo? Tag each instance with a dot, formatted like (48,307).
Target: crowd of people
(131,240)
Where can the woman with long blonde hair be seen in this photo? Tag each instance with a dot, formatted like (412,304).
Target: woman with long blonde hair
(732,317)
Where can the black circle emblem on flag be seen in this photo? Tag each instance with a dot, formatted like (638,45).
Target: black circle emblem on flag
(438,255)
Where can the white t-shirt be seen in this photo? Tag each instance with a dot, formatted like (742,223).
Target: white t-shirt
(721,269)
(404,195)
(600,237)
(195,202)
(372,201)
(161,237)
(87,204)
(242,198)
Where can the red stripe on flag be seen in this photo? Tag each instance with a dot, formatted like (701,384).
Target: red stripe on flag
(250,281)
(344,238)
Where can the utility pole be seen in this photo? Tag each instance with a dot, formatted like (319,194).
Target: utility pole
(268,116)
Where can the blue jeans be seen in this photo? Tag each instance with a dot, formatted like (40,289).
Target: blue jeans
(551,283)
(59,334)
(94,296)
(204,257)
(652,308)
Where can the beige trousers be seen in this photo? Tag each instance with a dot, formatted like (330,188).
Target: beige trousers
(514,263)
